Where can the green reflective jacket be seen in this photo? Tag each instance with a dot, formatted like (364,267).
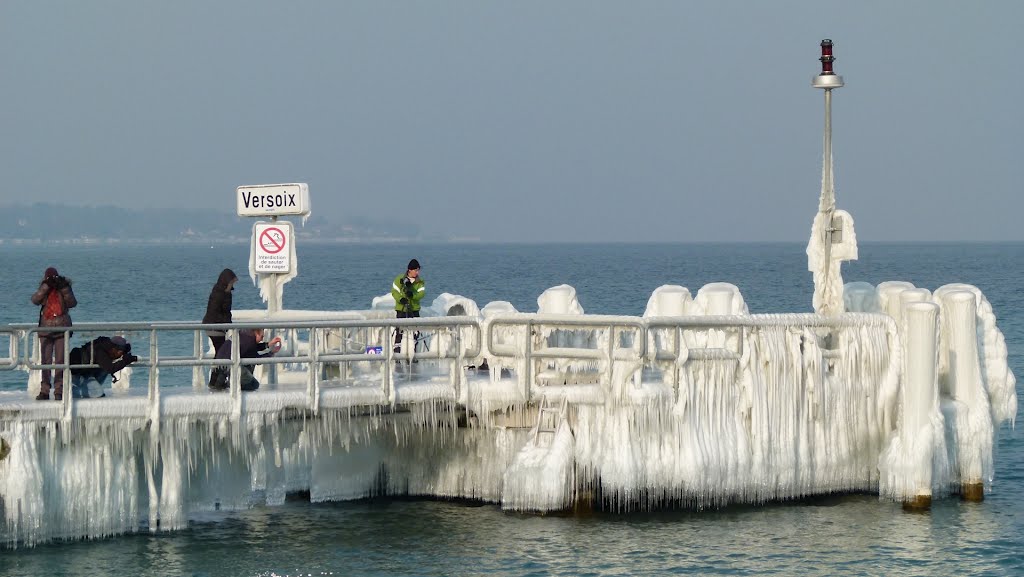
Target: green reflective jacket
(419,288)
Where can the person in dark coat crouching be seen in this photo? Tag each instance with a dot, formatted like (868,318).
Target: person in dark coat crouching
(218,307)
(250,346)
(53,297)
(111,354)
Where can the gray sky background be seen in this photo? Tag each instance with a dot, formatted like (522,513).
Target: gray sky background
(526,120)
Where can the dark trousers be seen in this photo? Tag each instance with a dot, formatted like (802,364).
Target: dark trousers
(51,348)
(216,342)
(398,332)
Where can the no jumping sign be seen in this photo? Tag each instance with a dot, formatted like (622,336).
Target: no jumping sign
(273,247)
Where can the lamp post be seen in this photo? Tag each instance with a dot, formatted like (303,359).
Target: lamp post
(828,225)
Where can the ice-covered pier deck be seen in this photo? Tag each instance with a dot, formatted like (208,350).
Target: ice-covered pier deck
(695,402)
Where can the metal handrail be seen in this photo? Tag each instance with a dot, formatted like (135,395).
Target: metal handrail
(746,323)
(597,323)
(810,320)
(21,356)
(13,338)
(611,350)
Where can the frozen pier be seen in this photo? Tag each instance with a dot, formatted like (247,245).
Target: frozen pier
(696,403)
(891,389)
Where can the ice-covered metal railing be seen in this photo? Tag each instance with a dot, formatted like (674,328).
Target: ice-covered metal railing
(744,323)
(534,325)
(317,355)
(13,337)
(527,349)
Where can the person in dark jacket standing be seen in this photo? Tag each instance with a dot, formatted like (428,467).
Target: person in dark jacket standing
(408,290)
(218,307)
(53,297)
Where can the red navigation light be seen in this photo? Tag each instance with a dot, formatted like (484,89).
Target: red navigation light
(826,57)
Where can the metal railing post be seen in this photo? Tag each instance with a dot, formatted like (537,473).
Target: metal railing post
(457,364)
(314,371)
(677,367)
(65,377)
(611,356)
(197,350)
(389,365)
(528,372)
(235,389)
(154,380)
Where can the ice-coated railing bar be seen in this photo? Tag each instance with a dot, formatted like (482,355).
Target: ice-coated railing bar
(197,353)
(21,356)
(13,337)
(810,320)
(441,323)
(313,385)
(130,326)
(599,323)
(643,326)
(748,322)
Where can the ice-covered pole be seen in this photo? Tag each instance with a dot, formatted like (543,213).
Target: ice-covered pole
(827,81)
(920,399)
(830,227)
(974,426)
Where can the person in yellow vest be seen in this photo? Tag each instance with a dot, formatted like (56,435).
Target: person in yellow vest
(408,290)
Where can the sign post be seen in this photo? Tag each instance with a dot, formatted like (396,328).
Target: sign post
(272,243)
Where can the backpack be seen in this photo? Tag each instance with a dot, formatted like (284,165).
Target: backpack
(54,306)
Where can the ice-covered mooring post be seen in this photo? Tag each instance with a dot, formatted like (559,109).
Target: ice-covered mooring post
(832,236)
(960,315)
(920,399)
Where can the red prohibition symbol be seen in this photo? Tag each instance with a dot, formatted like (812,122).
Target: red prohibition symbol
(272,240)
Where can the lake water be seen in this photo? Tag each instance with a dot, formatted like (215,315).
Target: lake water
(849,535)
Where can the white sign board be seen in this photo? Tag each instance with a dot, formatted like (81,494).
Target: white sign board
(273,199)
(273,242)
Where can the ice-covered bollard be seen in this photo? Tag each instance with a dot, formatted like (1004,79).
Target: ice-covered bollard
(913,295)
(671,301)
(889,297)
(960,325)
(960,328)
(667,301)
(920,397)
(556,300)
(719,301)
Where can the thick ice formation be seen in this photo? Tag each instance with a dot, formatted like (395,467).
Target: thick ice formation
(697,403)
(825,258)
(833,238)
(970,371)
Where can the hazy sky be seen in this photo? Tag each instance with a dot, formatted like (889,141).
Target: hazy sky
(525,120)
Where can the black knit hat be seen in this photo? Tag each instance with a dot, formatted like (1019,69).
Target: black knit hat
(413,265)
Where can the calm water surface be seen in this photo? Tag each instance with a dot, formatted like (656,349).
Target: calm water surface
(849,535)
